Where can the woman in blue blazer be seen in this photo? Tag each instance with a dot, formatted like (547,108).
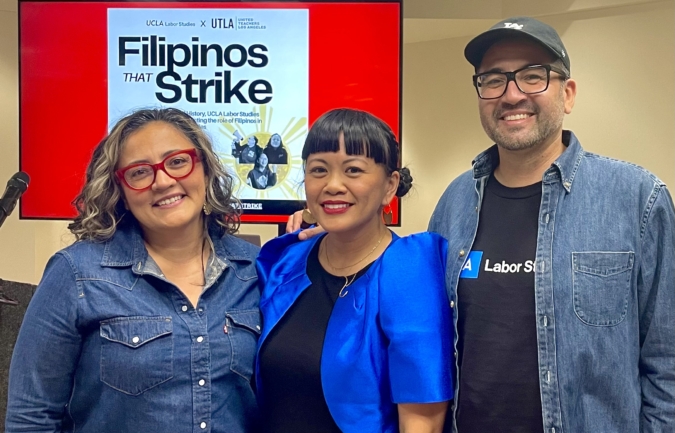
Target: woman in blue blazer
(357,330)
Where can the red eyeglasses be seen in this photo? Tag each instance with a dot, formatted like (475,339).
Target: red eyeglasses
(177,165)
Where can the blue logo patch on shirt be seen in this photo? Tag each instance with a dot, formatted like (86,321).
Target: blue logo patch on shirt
(472,265)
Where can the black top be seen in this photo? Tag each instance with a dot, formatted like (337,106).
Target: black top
(262,179)
(276,155)
(290,358)
(246,154)
(497,348)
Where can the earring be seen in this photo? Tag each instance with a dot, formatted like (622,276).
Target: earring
(207,209)
(387,215)
(307,217)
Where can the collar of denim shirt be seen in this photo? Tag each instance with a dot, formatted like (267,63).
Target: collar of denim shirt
(126,247)
(566,165)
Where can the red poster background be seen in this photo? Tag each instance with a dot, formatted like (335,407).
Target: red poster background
(354,61)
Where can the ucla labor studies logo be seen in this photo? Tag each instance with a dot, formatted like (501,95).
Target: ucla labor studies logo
(471,265)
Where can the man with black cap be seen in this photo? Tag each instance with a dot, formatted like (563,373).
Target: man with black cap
(561,262)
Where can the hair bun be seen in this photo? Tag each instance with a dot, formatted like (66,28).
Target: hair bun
(405,183)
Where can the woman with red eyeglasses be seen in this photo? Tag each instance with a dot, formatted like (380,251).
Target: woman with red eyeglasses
(149,321)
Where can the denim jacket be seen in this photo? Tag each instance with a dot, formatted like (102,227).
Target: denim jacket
(604,288)
(108,345)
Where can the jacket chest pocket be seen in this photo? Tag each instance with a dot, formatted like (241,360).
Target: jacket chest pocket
(243,331)
(601,286)
(136,353)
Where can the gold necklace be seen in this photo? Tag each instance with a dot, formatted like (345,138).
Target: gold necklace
(325,251)
(203,268)
(347,283)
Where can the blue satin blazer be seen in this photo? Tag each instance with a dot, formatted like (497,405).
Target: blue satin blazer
(388,341)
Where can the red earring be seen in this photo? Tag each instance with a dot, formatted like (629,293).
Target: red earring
(387,215)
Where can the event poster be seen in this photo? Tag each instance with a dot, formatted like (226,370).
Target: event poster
(241,73)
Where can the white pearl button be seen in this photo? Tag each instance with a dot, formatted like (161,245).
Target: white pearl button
(202,425)
(184,308)
(200,339)
(202,382)
(135,340)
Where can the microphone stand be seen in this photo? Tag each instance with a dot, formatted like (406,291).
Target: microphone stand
(4,299)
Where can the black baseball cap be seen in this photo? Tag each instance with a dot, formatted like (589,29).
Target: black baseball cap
(525,26)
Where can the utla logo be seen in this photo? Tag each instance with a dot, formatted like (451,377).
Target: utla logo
(222,23)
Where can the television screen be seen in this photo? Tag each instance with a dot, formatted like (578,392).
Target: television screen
(254,75)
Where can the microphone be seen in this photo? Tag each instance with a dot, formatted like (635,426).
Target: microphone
(16,186)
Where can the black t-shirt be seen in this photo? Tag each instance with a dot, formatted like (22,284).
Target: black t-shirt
(247,154)
(497,348)
(290,358)
(262,179)
(276,155)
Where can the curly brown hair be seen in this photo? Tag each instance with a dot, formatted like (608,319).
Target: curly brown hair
(99,204)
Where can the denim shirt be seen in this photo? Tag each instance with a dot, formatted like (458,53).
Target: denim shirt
(108,345)
(604,288)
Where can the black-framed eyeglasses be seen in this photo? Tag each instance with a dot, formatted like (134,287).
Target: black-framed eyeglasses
(177,165)
(529,80)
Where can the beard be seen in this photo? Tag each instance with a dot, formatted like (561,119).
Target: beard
(518,137)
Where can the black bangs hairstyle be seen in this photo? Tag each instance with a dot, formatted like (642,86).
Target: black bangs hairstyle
(364,134)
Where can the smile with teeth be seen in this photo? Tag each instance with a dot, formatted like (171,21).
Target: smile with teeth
(169,200)
(336,205)
(517,116)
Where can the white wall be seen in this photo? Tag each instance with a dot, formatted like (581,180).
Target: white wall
(17,239)
(623,59)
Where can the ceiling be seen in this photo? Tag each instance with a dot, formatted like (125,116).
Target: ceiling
(428,20)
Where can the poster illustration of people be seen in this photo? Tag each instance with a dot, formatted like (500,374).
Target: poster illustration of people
(241,73)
